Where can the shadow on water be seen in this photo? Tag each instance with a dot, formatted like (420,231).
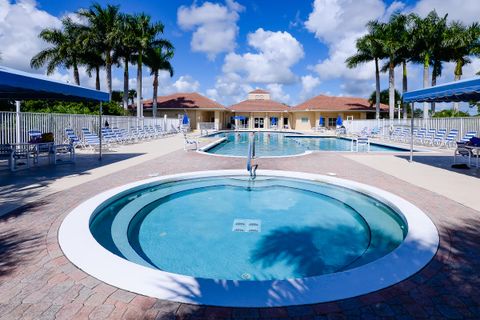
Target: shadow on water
(448,283)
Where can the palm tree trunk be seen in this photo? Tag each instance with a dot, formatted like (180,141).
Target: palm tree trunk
(155,90)
(108,68)
(377,90)
(125,85)
(139,86)
(426,66)
(391,88)
(76,75)
(97,77)
(458,76)
(404,86)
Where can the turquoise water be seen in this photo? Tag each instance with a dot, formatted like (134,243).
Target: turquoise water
(232,228)
(284,144)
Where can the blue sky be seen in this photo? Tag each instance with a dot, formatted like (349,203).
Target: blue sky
(295,49)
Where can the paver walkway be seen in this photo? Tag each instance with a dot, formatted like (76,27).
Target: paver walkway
(38,282)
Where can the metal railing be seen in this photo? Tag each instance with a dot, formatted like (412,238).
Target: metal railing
(384,125)
(56,123)
(251,168)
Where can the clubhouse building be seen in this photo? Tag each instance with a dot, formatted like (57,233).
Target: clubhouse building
(259,111)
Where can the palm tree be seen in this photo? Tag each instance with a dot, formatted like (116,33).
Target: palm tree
(392,46)
(403,55)
(132,94)
(146,34)
(158,59)
(93,60)
(368,49)
(103,23)
(124,50)
(461,42)
(66,50)
(427,35)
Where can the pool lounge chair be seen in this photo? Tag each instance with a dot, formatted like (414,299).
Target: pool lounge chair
(469,135)
(90,140)
(439,137)
(450,139)
(189,142)
(72,138)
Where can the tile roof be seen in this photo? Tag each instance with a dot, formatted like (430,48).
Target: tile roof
(259,105)
(329,103)
(184,101)
(259,91)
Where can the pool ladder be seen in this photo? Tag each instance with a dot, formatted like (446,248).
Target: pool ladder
(251,167)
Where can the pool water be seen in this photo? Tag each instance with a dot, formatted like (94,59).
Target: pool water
(232,228)
(285,144)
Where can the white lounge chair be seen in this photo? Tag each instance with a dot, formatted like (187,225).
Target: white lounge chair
(189,142)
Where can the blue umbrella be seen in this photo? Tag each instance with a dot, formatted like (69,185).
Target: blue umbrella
(239,117)
(321,122)
(185,119)
(339,121)
(274,121)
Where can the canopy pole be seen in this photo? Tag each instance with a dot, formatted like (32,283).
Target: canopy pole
(100,131)
(17,122)
(411,133)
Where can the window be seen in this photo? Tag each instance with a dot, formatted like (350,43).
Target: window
(304,120)
(332,122)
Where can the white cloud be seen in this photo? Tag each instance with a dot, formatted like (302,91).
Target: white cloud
(186,84)
(276,53)
(229,88)
(331,20)
(338,23)
(277,93)
(467,11)
(215,26)
(309,84)
(20,25)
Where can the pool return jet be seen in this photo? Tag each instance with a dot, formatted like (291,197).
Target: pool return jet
(251,166)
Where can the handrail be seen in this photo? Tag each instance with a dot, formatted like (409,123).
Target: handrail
(251,168)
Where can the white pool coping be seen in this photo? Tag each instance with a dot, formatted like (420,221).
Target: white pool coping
(418,248)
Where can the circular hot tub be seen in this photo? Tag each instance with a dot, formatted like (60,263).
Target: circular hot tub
(221,238)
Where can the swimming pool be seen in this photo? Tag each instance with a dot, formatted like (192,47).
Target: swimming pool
(220,238)
(271,144)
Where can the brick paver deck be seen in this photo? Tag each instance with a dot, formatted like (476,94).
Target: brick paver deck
(38,282)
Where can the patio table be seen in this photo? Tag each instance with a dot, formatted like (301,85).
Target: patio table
(42,148)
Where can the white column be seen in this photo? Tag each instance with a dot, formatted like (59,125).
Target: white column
(17,122)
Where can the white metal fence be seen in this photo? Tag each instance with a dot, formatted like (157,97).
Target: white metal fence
(56,123)
(462,124)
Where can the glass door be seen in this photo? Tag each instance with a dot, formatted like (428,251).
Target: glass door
(261,123)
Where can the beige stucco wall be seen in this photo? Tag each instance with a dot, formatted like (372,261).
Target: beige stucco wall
(222,118)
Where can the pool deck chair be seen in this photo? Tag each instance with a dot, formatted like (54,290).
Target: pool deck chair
(449,139)
(6,151)
(363,142)
(464,151)
(189,142)
(469,135)
(90,140)
(21,154)
(72,138)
